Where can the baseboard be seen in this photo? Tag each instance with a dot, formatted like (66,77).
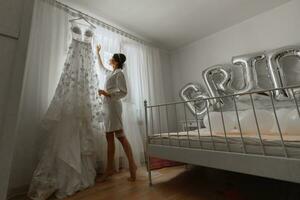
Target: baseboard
(17,192)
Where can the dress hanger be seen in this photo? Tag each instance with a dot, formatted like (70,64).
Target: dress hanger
(83,18)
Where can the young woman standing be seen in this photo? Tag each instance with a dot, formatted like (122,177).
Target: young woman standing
(115,90)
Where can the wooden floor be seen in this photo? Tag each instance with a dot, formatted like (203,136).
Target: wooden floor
(179,183)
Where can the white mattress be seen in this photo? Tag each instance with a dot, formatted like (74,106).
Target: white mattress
(272,144)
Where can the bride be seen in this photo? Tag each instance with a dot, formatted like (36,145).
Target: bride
(115,90)
(73,119)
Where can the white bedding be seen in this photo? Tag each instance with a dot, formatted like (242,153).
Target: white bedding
(272,143)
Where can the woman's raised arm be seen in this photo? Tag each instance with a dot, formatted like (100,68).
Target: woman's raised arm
(101,66)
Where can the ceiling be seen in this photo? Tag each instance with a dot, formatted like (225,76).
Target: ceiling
(175,23)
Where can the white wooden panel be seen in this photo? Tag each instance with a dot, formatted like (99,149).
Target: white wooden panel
(10,17)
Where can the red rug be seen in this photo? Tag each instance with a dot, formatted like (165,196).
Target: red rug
(157,163)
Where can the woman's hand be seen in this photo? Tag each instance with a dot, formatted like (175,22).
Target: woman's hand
(98,48)
(103,92)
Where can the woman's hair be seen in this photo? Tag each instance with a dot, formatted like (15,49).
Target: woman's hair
(120,58)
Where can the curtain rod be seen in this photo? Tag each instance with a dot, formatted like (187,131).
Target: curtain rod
(74,12)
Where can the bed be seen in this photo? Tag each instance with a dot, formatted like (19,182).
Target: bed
(232,143)
(265,154)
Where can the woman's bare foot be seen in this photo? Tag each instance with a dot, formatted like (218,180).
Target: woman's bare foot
(106,175)
(132,171)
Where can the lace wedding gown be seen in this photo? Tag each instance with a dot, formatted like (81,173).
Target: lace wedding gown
(72,120)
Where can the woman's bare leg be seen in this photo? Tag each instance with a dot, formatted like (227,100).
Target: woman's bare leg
(128,151)
(110,151)
(110,170)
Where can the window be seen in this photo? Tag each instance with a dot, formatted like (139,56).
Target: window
(106,57)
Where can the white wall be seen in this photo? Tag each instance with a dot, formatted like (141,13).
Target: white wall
(275,28)
(165,57)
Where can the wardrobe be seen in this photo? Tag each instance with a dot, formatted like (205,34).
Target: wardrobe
(15,19)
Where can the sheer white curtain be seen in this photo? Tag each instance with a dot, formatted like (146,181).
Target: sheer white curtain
(49,40)
(145,80)
(143,73)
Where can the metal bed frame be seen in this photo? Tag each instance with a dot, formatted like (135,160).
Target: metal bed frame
(285,167)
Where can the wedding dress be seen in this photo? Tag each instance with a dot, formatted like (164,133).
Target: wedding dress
(72,120)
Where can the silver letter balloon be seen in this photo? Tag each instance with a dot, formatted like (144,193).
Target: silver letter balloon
(276,70)
(249,74)
(218,82)
(193,91)
(248,64)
